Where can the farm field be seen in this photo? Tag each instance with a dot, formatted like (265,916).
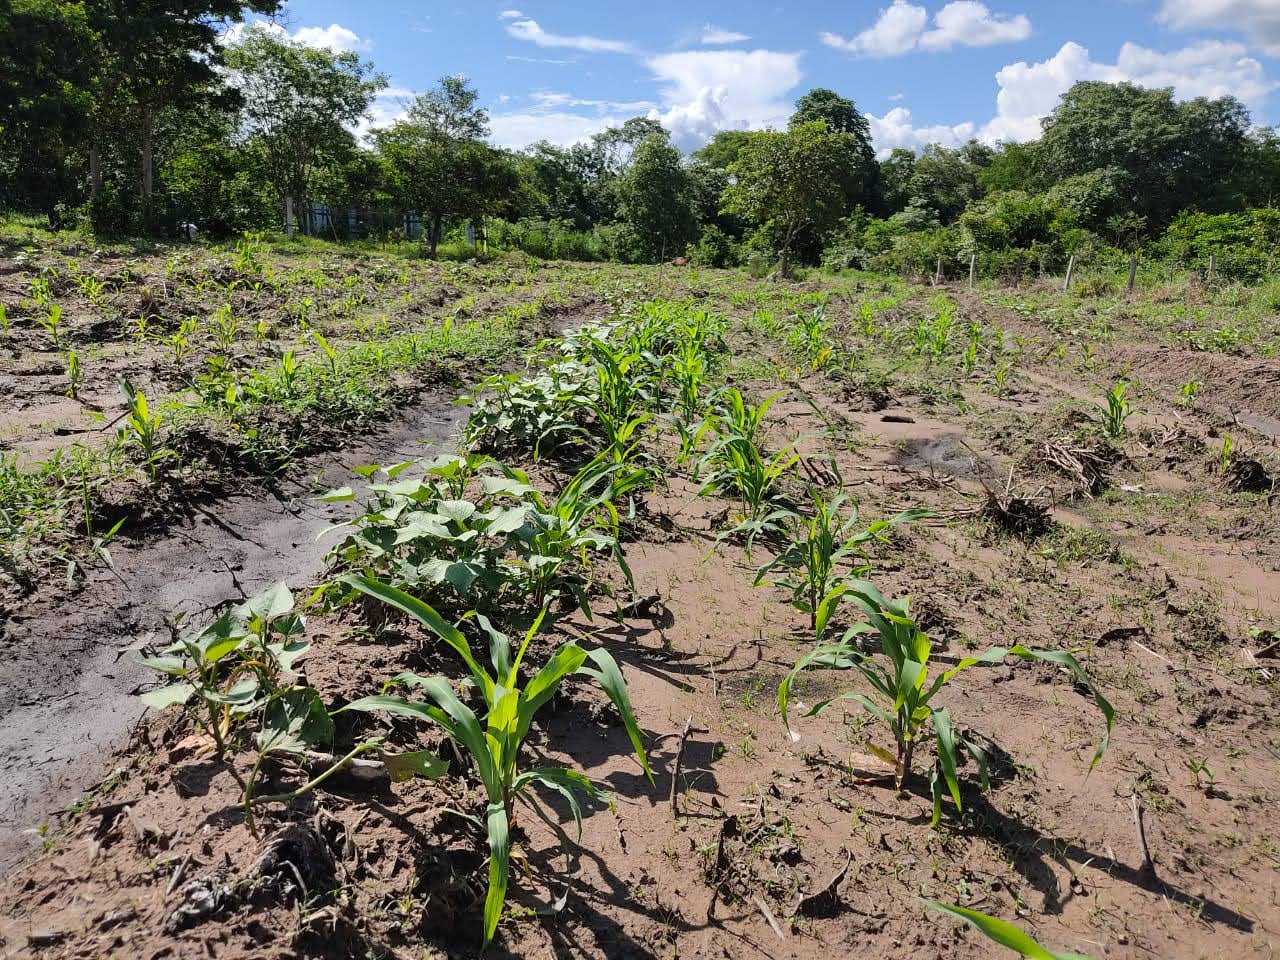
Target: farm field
(667,486)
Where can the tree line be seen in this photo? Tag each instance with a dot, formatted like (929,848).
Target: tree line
(131,117)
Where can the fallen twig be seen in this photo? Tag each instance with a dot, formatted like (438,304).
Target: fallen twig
(675,769)
(1148,867)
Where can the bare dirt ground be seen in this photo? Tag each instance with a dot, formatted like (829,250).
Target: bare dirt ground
(1153,571)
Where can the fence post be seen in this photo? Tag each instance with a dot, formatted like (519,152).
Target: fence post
(1071,268)
(973,267)
(1213,264)
(288,216)
(1133,274)
(937,273)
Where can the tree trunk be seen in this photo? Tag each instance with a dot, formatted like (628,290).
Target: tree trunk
(95,171)
(433,233)
(148,126)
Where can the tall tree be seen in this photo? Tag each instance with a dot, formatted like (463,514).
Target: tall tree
(45,78)
(1164,155)
(300,104)
(792,181)
(437,161)
(656,198)
(153,54)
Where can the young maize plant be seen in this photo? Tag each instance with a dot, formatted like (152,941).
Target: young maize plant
(495,740)
(901,698)
(998,931)
(1117,410)
(143,428)
(826,550)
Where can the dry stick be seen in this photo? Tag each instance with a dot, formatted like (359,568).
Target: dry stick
(178,872)
(675,770)
(768,915)
(1148,867)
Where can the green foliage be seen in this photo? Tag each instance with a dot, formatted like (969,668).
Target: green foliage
(495,741)
(824,552)
(792,181)
(901,698)
(1117,410)
(998,931)
(656,199)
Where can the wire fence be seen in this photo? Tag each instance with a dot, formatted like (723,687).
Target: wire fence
(1106,272)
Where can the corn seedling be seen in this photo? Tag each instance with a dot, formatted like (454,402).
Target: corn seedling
(1188,393)
(74,375)
(824,551)
(998,931)
(495,741)
(51,321)
(901,698)
(1227,453)
(1117,410)
(4,318)
(225,328)
(142,427)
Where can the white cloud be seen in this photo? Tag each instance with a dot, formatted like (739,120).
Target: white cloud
(334,37)
(1258,20)
(1210,68)
(895,97)
(550,100)
(897,31)
(971,24)
(558,63)
(903,26)
(705,91)
(510,15)
(522,128)
(716,36)
(895,129)
(529,29)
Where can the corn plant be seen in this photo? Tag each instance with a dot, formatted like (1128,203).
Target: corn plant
(809,337)
(735,465)
(143,428)
(826,550)
(51,321)
(495,740)
(225,327)
(1117,410)
(1227,453)
(901,698)
(74,375)
(998,931)
(1188,393)
(180,340)
(579,521)
(92,287)
(4,318)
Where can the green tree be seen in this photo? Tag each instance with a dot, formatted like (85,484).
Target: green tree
(657,199)
(842,116)
(151,55)
(792,181)
(437,162)
(299,106)
(45,79)
(1164,156)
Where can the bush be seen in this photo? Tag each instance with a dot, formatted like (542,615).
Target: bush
(714,248)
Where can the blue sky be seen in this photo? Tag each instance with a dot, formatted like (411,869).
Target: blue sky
(922,70)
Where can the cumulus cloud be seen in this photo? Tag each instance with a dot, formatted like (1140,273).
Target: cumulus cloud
(521,128)
(895,129)
(706,91)
(526,28)
(1211,68)
(903,27)
(334,37)
(897,31)
(1258,20)
(717,36)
